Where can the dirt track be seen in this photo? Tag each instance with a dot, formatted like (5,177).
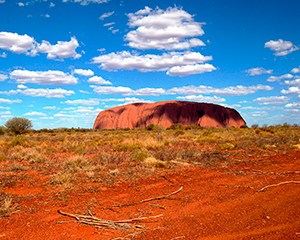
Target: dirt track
(219,203)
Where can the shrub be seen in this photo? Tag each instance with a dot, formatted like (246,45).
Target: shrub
(18,125)
(2,130)
(175,126)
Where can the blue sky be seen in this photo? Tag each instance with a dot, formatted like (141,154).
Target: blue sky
(64,61)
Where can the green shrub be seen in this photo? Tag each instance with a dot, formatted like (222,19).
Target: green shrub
(2,130)
(18,125)
(175,126)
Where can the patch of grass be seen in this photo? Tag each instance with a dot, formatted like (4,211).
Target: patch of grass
(139,156)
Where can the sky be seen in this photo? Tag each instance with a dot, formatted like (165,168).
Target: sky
(62,62)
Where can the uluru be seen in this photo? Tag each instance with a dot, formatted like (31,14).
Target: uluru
(166,113)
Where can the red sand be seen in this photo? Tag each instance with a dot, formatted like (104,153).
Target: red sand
(219,203)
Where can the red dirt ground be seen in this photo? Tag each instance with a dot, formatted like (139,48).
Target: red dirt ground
(219,203)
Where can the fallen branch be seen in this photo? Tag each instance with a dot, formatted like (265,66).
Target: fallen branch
(278,184)
(151,199)
(94,221)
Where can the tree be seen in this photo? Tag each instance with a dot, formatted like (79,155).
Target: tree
(18,125)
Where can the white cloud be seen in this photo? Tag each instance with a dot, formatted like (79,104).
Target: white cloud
(291,90)
(295,82)
(159,29)
(108,24)
(5,113)
(296,70)
(149,62)
(105,15)
(111,90)
(18,43)
(260,114)
(190,69)
(281,48)
(83,72)
(89,102)
(2,1)
(285,76)
(99,80)
(293,105)
(52,4)
(7,108)
(10,92)
(47,118)
(9,101)
(261,108)
(148,92)
(35,113)
(61,50)
(48,93)
(126,100)
(201,98)
(45,78)
(228,91)
(27,45)
(3,77)
(86,2)
(3,55)
(274,100)
(50,107)
(21,86)
(21,4)
(258,71)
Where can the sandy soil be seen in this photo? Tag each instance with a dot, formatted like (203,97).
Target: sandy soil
(218,203)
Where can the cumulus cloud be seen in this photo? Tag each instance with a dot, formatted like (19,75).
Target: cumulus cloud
(83,72)
(261,108)
(190,69)
(281,48)
(159,29)
(62,49)
(274,79)
(259,114)
(9,101)
(296,70)
(291,90)
(127,100)
(5,113)
(35,113)
(18,43)
(27,45)
(48,93)
(87,2)
(106,15)
(148,92)
(228,91)
(111,90)
(274,100)
(149,62)
(99,80)
(45,78)
(258,71)
(293,105)
(201,98)
(85,102)
(3,55)
(50,107)
(3,77)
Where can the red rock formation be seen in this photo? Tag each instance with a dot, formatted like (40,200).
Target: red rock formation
(167,113)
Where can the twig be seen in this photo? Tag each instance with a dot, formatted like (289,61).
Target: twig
(150,199)
(93,221)
(167,179)
(278,184)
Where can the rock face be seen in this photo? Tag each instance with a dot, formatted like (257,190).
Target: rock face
(167,113)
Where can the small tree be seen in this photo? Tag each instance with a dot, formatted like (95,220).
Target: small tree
(18,125)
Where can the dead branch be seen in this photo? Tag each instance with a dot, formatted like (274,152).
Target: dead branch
(151,199)
(94,221)
(278,184)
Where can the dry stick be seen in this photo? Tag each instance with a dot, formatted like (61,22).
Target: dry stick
(275,185)
(91,220)
(150,199)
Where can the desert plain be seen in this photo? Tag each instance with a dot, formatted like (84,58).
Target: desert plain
(180,183)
